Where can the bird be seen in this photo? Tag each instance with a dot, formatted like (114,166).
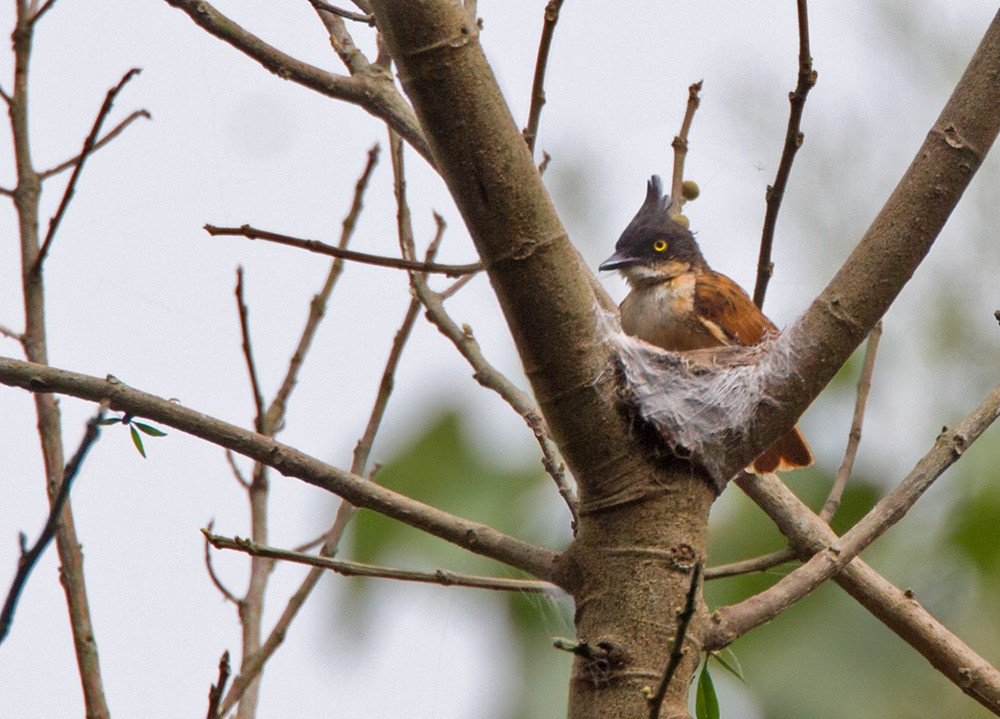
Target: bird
(678,303)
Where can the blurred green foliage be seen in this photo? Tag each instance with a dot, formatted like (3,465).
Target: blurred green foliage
(441,467)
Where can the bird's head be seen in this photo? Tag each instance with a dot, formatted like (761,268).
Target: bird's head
(655,247)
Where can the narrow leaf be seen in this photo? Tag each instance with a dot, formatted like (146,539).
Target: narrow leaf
(109,420)
(137,441)
(731,663)
(706,702)
(149,429)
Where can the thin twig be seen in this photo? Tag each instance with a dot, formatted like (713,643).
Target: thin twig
(477,537)
(244,313)
(216,580)
(749,566)
(317,308)
(88,149)
(541,62)
(486,374)
(677,648)
(374,92)
(826,562)
(321,248)
(7,332)
(237,473)
(854,437)
(680,147)
(115,132)
(312,543)
(333,10)
(342,42)
(793,141)
(215,693)
(29,557)
(898,610)
(253,663)
(357,569)
(458,284)
(42,10)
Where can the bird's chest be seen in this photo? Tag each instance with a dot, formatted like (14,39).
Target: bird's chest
(664,314)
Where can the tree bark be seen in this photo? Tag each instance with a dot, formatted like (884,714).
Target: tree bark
(643,520)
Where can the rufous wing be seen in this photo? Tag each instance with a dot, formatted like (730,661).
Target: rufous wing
(728,312)
(732,317)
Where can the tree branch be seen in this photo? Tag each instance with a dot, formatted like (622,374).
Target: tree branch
(88,149)
(748,566)
(854,437)
(317,308)
(793,141)
(680,147)
(530,132)
(215,693)
(775,382)
(357,569)
(244,313)
(251,233)
(333,10)
(677,646)
(112,134)
(950,445)
(374,92)
(29,558)
(473,536)
(898,610)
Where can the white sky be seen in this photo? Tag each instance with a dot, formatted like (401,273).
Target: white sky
(136,289)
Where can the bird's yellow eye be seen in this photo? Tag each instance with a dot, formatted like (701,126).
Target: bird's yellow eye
(659,245)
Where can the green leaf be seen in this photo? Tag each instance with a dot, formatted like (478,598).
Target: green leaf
(148,429)
(137,441)
(706,702)
(109,420)
(730,662)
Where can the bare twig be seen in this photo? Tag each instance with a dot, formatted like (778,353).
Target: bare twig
(88,149)
(485,373)
(357,569)
(216,580)
(897,609)
(35,345)
(854,438)
(677,647)
(241,307)
(476,537)
(793,141)
(530,133)
(317,308)
(245,689)
(321,248)
(29,557)
(367,19)
(237,473)
(749,566)
(115,132)
(7,332)
(342,42)
(458,284)
(215,693)
(680,147)
(254,662)
(830,559)
(42,10)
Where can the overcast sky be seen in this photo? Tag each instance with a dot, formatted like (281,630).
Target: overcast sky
(138,290)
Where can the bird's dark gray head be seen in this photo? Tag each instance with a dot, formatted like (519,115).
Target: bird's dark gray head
(653,239)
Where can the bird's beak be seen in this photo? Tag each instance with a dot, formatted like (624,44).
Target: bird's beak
(616,261)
